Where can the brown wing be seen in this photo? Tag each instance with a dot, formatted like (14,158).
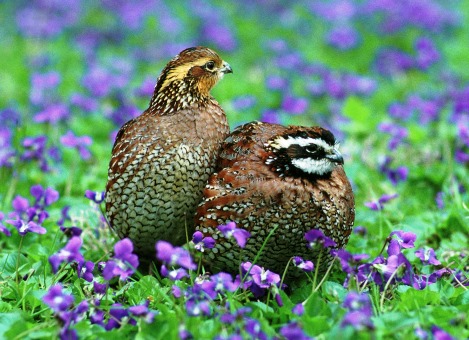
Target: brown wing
(247,142)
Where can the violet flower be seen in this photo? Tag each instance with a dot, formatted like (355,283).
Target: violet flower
(343,37)
(243,103)
(294,105)
(85,270)
(79,143)
(4,229)
(24,227)
(306,266)
(95,196)
(405,239)
(240,235)
(173,256)
(201,242)
(427,256)
(379,205)
(124,263)
(259,280)
(293,331)
(359,311)
(35,149)
(316,237)
(57,300)
(52,114)
(440,334)
(298,309)
(69,253)
(7,152)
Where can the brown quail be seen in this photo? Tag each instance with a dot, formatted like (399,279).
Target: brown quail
(270,176)
(162,159)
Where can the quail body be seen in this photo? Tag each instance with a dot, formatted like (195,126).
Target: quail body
(162,159)
(280,180)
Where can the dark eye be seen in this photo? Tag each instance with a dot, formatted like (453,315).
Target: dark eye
(210,65)
(312,148)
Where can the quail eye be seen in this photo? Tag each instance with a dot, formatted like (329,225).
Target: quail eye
(312,148)
(210,65)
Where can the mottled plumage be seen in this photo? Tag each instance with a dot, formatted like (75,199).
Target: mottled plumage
(162,159)
(270,176)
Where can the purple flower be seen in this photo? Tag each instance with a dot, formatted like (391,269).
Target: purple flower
(398,134)
(24,227)
(299,309)
(198,302)
(293,331)
(68,254)
(6,150)
(3,229)
(202,242)
(276,83)
(95,196)
(391,62)
(79,143)
(219,34)
(142,311)
(116,314)
(147,87)
(172,256)
(86,103)
(270,116)
(57,300)
(427,256)
(42,86)
(343,37)
(99,288)
(101,81)
(222,282)
(427,54)
(316,236)
(379,205)
(294,105)
(359,311)
(86,271)
(307,266)
(258,280)
(244,102)
(52,114)
(439,334)
(124,263)
(174,274)
(404,238)
(349,263)
(395,175)
(44,197)
(439,200)
(35,149)
(461,156)
(46,19)
(240,235)
(360,230)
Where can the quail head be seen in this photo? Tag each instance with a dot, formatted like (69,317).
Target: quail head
(162,159)
(280,180)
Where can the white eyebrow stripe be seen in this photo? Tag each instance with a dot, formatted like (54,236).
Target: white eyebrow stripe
(285,143)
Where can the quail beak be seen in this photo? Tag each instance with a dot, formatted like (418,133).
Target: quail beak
(226,68)
(335,157)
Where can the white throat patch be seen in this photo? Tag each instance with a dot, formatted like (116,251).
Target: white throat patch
(314,166)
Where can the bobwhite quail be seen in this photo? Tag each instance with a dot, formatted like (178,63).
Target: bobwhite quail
(270,176)
(161,160)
